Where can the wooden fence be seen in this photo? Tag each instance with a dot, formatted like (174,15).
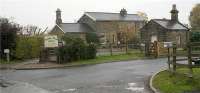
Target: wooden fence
(193,58)
(115,49)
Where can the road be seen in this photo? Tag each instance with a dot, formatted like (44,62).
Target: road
(116,77)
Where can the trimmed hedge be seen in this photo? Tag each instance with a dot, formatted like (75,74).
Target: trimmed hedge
(75,49)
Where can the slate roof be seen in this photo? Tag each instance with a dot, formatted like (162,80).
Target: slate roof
(171,25)
(102,16)
(75,27)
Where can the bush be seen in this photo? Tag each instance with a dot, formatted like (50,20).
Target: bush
(92,38)
(75,49)
(28,47)
(195,37)
(90,51)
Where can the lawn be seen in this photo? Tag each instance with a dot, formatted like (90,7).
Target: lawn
(132,55)
(107,58)
(166,83)
(2,62)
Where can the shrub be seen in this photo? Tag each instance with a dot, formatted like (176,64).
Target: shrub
(195,37)
(92,38)
(28,47)
(91,51)
(75,49)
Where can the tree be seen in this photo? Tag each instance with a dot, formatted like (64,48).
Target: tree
(8,33)
(32,30)
(195,18)
(195,37)
(92,38)
(143,14)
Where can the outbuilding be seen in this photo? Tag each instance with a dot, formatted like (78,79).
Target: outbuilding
(165,30)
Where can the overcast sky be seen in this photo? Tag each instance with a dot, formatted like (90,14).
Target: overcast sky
(42,12)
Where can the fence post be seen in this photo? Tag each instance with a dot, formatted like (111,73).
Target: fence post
(111,52)
(189,55)
(156,49)
(168,51)
(146,49)
(174,58)
(126,44)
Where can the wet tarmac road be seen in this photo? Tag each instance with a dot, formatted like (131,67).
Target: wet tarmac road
(117,77)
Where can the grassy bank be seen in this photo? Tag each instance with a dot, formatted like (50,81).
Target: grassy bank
(108,58)
(167,83)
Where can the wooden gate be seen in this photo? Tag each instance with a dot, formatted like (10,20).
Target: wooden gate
(156,49)
(153,47)
(48,55)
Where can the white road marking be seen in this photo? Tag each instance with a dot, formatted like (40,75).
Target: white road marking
(131,84)
(135,88)
(72,89)
(132,87)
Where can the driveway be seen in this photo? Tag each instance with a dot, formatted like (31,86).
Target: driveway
(117,77)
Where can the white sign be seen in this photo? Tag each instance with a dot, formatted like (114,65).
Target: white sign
(51,41)
(168,44)
(6,51)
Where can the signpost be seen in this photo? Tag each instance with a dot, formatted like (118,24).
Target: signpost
(50,41)
(7,51)
(168,45)
(50,45)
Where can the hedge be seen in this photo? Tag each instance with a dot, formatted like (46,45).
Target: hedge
(75,49)
(28,47)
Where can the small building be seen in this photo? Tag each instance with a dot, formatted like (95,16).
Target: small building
(165,30)
(76,29)
(110,27)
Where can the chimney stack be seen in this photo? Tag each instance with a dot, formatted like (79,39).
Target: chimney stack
(174,13)
(58,17)
(123,12)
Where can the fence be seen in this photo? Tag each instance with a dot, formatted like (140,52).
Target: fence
(114,49)
(193,58)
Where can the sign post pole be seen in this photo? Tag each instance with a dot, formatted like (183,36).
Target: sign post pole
(7,51)
(168,45)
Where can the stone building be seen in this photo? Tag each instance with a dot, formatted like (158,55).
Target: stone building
(110,27)
(165,30)
(69,28)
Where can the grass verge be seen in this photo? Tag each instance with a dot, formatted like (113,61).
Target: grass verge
(99,59)
(108,58)
(165,82)
(3,62)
